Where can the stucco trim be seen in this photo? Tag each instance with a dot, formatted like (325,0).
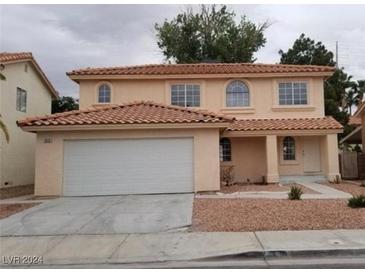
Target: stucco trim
(281,132)
(124,126)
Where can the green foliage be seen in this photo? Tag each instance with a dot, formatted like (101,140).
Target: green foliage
(65,103)
(295,193)
(210,35)
(340,91)
(356,201)
(306,51)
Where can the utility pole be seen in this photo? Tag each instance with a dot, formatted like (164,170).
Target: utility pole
(337,55)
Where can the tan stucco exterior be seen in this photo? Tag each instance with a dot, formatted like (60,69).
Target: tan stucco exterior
(17,157)
(49,154)
(263,95)
(254,154)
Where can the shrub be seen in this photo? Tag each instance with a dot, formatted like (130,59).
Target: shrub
(227,175)
(357,201)
(295,193)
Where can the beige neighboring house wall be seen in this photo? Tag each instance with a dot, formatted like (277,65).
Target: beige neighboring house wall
(17,158)
(263,95)
(49,156)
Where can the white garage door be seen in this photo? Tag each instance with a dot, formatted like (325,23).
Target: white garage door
(129,166)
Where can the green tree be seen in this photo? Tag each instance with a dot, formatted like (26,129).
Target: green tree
(306,51)
(65,103)
(210,35)
(340,91)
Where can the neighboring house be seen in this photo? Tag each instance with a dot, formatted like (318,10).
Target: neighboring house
(25,92)
(267,121)
(357,136)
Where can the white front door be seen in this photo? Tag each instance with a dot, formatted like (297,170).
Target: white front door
(311,154)
(128,166)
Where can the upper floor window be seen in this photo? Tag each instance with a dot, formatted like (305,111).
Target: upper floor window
(21,100)
(104,94)
(185,95)
(225,150)
(293,93)
(237,94)
(288,148)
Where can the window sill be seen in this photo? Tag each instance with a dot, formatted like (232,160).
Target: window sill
(238,110)
(289,162)
(293,108)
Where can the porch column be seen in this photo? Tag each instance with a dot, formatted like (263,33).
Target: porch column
(332,156)
(272,175)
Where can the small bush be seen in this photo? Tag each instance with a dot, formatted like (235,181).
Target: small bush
(227,175)
(357,201)
(295,193)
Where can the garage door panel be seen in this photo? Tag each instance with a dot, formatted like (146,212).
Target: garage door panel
(106,167)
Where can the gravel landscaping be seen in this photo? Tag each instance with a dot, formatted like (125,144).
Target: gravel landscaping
(264,214)
(352,188)
(9,209)
(15,191)
(244,187)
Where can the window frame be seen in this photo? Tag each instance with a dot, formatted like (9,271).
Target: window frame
(222,150)
(293,154)
(249,95)
(185,96)
(99,85)
(293,95)
(21,100)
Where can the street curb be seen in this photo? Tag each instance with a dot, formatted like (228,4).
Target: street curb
(287,253)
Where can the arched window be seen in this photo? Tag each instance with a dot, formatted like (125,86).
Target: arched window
(225,150)
(237,94)
(104,94)
(289,148)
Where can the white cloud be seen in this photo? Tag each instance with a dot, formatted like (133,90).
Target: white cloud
(65,37)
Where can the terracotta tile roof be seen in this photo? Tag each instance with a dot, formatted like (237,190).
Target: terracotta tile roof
(133,113)
(355,121)
(15,56)
(201,68)
(285,124)
(12,57)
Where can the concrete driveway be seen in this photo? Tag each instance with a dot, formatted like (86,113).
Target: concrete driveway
(102,215)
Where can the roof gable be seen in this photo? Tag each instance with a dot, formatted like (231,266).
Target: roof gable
(133,113)
(15,57)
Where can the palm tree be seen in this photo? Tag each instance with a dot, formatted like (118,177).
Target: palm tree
(2,125)
(5,130)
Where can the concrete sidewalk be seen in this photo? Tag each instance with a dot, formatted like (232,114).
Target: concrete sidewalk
(164,247)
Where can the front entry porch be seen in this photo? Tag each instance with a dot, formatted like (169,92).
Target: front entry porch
(274,158)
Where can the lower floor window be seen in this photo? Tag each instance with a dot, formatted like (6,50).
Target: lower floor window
(225,150)
(289,148)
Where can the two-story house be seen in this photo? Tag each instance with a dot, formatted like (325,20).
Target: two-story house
(169,129)
(25,92)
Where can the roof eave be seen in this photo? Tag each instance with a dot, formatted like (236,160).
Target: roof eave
(195,125)
(78,77)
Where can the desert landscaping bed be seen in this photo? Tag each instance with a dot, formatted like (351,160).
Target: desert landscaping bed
(245,187)
(352,188)
(10,209)
(15,191)
(262,215)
